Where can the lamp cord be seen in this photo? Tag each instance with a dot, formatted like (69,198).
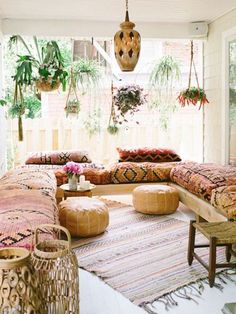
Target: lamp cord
(126,5)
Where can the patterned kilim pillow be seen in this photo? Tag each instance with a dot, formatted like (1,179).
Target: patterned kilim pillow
(58,157)
(133,172)
(148,154)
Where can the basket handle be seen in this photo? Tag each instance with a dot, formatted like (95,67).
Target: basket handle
(58,227)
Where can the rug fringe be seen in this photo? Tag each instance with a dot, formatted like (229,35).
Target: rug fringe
(190,292)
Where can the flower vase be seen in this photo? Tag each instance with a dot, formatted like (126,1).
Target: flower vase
(73,183)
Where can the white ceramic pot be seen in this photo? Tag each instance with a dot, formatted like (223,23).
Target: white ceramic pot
(73,183)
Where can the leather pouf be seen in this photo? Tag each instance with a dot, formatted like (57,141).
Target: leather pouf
(83,216)
(155,199)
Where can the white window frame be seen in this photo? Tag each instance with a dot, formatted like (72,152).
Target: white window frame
(227,37)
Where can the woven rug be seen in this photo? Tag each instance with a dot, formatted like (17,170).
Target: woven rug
(144,257)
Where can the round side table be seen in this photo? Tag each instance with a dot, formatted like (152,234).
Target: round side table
(75,193)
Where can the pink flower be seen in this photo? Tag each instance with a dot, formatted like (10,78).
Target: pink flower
(72,168)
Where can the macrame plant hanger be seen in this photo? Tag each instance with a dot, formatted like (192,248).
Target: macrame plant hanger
(72,100)
(192,95)
(192,66)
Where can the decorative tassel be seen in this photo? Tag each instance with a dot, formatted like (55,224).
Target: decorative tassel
(20,129)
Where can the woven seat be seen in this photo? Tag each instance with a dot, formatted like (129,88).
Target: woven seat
(218,234)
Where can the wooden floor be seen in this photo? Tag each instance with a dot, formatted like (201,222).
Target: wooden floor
(98,298)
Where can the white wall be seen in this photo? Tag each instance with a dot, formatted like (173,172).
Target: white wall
(214,73)
(2,119)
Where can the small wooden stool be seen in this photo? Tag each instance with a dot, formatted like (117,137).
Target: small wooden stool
(218,234)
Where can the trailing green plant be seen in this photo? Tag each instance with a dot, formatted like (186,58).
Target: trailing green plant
(127,100)
(165,72)
(87,72)
(112,129)
(92,123)
(163,79)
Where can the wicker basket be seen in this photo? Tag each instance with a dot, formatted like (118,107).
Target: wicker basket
(19,292)
(46,85)
(57,268)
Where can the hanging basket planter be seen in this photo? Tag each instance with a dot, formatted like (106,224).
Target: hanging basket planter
(72,107)
(48,85)
(192,95)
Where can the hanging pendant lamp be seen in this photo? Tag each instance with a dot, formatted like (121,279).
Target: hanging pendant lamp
(127,44)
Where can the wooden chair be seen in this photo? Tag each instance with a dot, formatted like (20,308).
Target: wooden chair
(218,234)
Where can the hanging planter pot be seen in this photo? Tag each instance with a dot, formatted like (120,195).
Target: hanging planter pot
(127,44)
(48,85)
(192,95)
(72,100)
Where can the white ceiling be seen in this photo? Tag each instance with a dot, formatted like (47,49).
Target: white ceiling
(113,10)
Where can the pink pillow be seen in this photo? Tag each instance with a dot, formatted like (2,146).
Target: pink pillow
(148,154)
(58,157)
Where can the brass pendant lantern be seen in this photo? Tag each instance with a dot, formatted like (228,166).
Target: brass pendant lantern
(127,44)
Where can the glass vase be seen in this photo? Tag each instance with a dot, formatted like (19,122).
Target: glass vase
(73,183)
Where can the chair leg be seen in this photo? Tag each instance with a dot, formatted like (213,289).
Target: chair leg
(212,261)
(191,242)
(228,252)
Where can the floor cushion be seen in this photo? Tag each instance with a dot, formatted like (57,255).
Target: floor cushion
(84,216)
(202,179)
(155,199)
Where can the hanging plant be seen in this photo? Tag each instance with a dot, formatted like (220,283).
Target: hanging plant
(112,124)
(163,78)
(192,95)
(92,123)
(43,68)
(72,100)
(72,107)
(87,73)
(127,100)
(112,129)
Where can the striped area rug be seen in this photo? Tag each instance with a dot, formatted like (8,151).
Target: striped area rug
(144,257)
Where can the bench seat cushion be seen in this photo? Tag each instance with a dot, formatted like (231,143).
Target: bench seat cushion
(133,172)
(29,179)
(224,198)
(21,211)
(202,179)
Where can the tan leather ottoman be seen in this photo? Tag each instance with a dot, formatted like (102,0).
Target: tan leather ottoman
(155,199)
(84,216)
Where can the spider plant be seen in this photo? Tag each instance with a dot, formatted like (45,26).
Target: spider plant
(87,73)
(163,78)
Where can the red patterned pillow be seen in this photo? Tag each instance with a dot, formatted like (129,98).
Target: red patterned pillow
(148,154)
(58,157)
